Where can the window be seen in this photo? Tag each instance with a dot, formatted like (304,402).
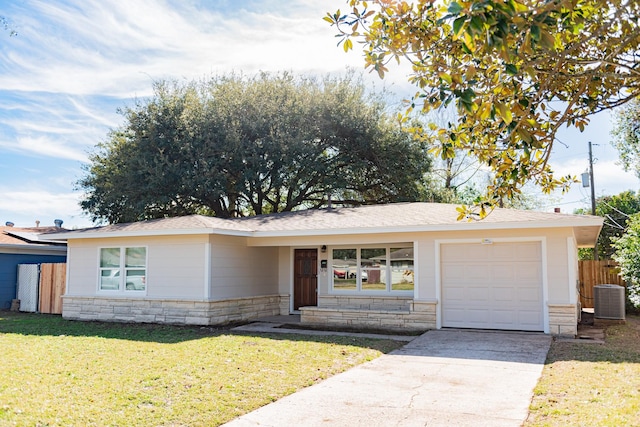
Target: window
(344,269)
(373,269)
(401,269)
(123,269)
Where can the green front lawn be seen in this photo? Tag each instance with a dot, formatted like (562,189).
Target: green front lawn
(65,373)
(588,384)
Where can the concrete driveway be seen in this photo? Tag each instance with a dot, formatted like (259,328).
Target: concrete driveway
(442,378)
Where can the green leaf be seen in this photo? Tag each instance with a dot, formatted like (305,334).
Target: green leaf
(511,69)
(458,25)
(454,8)
(535,33)
(477,24)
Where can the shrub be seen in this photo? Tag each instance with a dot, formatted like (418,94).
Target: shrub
(627,254)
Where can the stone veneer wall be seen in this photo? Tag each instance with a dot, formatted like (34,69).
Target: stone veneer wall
(182,312)
(563,319)
(416,315)
(365,302)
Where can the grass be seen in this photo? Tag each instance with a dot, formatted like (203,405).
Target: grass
(588,384)
(65,373)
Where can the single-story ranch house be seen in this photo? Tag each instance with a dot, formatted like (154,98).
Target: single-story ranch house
(395,266)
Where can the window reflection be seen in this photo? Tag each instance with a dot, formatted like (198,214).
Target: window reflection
(373,269)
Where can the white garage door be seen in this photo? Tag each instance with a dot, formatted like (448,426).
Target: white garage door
(492,286)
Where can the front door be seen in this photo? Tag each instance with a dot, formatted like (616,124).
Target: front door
(305,278)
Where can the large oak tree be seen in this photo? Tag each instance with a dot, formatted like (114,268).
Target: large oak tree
(516,70)
(241,145)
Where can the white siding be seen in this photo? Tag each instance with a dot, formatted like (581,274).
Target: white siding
(175,265)
(559,287)
(241,271)
(176,268)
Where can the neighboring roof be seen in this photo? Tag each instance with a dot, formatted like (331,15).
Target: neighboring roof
(395,217)
(29,238)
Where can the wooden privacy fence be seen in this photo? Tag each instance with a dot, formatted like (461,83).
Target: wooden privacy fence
(592,273)
(52,287)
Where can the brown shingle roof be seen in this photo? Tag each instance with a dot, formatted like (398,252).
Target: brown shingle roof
(407,216)
(185,223)
(394,215)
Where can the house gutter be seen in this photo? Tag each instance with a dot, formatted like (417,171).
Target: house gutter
(463,226)
(33,249)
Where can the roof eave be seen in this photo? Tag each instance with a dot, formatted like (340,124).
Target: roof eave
(146,233)
(34,248)
(463,226)
(588,222)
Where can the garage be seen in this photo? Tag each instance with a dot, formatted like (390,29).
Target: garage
(492,285)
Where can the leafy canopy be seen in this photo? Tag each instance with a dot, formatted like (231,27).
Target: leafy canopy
(616,211)
(516,71)
(235,146)
(626,133)
(627,255)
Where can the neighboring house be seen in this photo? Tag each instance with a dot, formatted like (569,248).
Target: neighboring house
(24,246)
(398,266)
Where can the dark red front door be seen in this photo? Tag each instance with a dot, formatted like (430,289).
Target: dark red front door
(305,278)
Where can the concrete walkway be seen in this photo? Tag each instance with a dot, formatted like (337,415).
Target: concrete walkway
(442,378)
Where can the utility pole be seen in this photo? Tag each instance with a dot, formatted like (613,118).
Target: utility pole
(593,196)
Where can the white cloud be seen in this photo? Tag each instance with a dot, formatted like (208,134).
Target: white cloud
(68,55)
(44,146)
(25,207)
(113,47)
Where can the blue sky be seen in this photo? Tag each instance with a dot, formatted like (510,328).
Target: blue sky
(74,63)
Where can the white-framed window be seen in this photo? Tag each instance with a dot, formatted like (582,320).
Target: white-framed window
(123,269)
(372,269)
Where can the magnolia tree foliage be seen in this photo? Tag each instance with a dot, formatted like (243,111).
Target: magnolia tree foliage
(236,145)
(626,132)
(627,255)
(516,71)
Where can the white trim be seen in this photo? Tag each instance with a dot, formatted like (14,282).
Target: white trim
(416,272)
(33,250)
(122,270)
(543,255)
(572,265)
(584,221)
(462,226)
(207,271)
(292,277)
(438,278)
(67,276)
(142,233)
(545,286)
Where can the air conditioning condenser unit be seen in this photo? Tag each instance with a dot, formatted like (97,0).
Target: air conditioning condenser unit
(608,302)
